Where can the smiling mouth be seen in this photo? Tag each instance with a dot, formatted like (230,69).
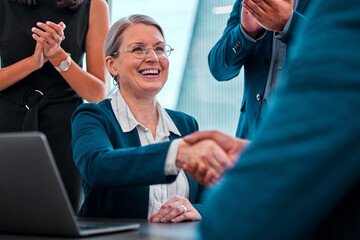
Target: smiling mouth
(150,72)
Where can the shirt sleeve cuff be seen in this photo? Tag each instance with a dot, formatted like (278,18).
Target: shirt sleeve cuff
(248,38)
(283,33)
(170,167)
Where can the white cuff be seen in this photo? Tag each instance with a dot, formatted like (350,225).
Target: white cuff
(170,167)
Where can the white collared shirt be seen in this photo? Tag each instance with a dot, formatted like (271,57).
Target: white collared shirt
(159,193)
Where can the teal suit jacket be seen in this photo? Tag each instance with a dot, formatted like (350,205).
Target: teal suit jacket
(300,177)
(116,170)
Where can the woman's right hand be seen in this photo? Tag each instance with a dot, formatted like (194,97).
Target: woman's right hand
(205,161)
(50,37)
(39,57)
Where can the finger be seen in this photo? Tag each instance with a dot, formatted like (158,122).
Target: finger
(221,158)
(217,160)
(51,31)
(269,3)
(182,217)
(167,207)
(197,136)
(41,41)
(165,212)
(191,166)
(155,218)
(44,35)
(62,25)
(209,178)
(200,173)
(261,4)
(57,27)
(152,216)
(223,140)
(47,29)
(179,210)
(252,8)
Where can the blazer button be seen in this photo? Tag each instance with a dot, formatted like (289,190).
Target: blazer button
(258,97)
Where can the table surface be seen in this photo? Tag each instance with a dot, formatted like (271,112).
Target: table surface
(147,230)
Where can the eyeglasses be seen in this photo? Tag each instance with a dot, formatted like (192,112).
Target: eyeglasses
(141,51)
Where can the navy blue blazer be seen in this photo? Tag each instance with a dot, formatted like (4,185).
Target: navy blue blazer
(233,51)
(116,170)
(300,176)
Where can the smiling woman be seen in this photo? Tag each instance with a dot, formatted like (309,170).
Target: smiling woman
(129,149)
(142,74)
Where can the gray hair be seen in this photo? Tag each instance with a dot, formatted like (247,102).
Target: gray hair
(114,37)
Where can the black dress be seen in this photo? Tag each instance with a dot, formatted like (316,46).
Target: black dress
(43,101)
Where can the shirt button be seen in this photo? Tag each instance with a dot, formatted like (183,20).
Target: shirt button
(280,67)
(258,97)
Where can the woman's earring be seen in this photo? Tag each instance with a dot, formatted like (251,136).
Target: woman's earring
(115,81)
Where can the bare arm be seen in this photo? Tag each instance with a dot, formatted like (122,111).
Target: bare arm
(14,73)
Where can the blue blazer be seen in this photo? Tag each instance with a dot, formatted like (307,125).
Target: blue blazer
(300,176)
(116,170)
(233,51)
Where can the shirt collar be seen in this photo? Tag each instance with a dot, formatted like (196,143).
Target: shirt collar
(128,122)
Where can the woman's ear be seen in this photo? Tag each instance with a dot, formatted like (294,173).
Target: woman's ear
(111,65)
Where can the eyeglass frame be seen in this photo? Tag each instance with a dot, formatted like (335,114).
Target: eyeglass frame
(147,50)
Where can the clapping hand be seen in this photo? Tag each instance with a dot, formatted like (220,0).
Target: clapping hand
(250,24)
(50,36)
(270,14)
(38,57)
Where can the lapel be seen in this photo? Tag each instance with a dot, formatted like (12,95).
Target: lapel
(130,139)
(302,5)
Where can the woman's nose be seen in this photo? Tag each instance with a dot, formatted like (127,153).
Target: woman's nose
(151,56)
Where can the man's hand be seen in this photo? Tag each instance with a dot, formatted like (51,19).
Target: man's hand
(232,146)
(174,211)
(250,24)
(270,14)
(204,161)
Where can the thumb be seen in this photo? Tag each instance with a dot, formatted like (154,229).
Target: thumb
(193,138)
(62,25)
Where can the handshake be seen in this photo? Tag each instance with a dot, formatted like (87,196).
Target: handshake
(206,155)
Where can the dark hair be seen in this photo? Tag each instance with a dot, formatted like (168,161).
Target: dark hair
(72,4)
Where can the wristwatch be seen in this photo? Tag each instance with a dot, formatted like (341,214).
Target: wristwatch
(64,65)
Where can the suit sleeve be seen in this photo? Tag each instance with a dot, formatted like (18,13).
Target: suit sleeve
(296,20)
(103,166)
(230,53)
(304,160)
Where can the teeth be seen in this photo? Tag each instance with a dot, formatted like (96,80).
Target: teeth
(152,71)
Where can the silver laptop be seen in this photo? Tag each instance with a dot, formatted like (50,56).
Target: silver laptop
(33,199)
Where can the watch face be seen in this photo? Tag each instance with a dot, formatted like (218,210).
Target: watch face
(64,65)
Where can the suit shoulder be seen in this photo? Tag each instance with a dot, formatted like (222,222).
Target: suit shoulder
(180,115)
(97,109)
(183,121)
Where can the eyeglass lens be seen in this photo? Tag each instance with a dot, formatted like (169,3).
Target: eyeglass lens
(141,51)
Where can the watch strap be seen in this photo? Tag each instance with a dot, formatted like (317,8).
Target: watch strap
(68,60)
